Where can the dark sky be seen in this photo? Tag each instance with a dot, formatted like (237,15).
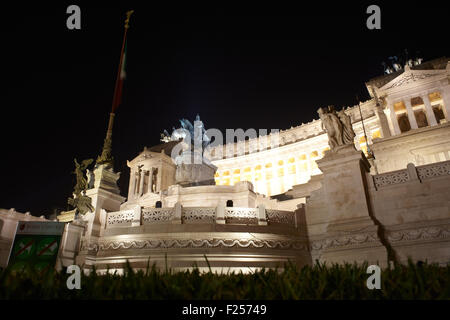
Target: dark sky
(261,65)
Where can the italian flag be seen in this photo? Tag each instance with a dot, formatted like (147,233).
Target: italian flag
(120,80)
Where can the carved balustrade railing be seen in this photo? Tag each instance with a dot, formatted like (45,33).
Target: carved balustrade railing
(198,215)
(157,215)
(122,218)
(280,216)
(241,215)
(390,178)
(433,170)
(421,173)
(191,215)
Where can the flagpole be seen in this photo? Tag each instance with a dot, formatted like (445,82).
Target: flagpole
(106,156)
(369,151)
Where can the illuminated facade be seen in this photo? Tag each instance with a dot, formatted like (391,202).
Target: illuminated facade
(337,205)
(418,97)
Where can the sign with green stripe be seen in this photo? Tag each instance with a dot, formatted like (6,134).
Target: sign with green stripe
(35,245)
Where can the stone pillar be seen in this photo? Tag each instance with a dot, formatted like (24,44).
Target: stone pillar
(132,187)
(150,180)
(136,185)
(382,120)
(430,114)
(141,183)
(411,115)
(177,213)
(343,219)
(262,219)
(220,213)
(445,93)
(393,118)
(158,180)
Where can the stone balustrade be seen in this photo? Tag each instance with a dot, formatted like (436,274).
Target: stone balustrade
(412,172)
(122,218)
(205,215)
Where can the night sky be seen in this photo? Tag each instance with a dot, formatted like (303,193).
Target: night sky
(258,66)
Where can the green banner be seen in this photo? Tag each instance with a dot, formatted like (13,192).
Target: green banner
(35,246)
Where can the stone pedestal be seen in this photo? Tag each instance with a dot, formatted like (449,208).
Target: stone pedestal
(343,220)
(194,170)
(105,197)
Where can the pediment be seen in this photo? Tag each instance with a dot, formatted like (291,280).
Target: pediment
(412,76)
(145,155)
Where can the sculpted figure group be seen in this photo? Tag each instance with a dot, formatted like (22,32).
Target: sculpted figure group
(338,127)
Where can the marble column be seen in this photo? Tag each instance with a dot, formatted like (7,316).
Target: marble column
(393,118)
(136,185)
(382,120)
(445,93)
(411,116)
(141,183)
(132,188)
(430,114)
(150,180)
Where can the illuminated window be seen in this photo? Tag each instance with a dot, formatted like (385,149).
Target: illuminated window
(324,150)
(257,176)
(258,167)
(302,157)
(280,163)
(291,160)
(226,182)
(399,107)
(314,154)
(362,140)
(302,167)
(376,134)
(236,179)
(237,171)
(292,169)
(226,173)
(268,175)
(281,172)
(217,175)
(268,165)
(248,169)
(435,96)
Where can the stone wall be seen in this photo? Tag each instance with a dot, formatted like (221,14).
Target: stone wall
(413,206)
(393,216)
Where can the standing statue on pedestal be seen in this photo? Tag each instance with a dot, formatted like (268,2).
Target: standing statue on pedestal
(332,125)
(348,135)
(338,127)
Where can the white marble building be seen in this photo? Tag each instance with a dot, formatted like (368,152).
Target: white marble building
(334,206)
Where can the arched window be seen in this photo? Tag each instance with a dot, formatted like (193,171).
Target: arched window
(229,203)
(158,204)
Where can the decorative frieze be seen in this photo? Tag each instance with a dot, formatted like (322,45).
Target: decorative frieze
(346,241)
(191,243)
(427,233)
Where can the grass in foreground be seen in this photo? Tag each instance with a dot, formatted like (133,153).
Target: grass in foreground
(428,281)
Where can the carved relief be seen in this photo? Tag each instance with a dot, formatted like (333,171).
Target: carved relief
(433,170)
(278,216)
(203,215)
(120,217)
(190,243)
(152,215)
(391,178)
